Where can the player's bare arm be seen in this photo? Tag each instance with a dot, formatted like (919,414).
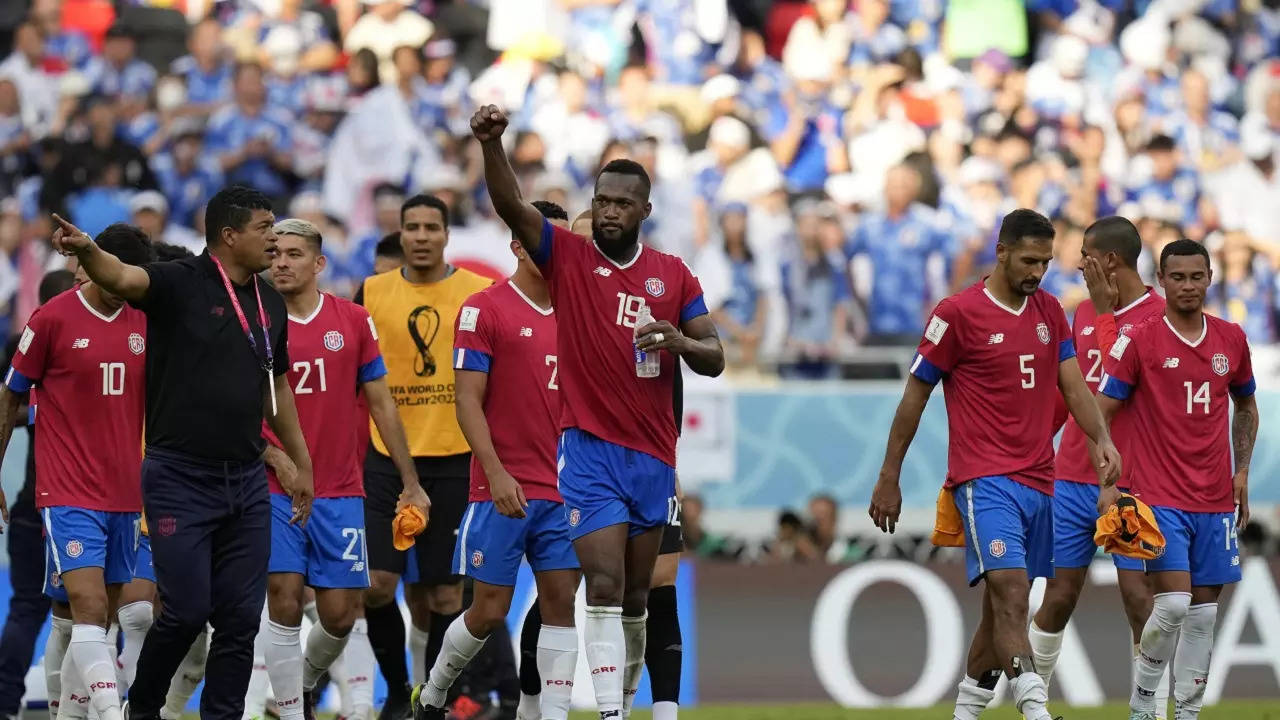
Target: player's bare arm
(1244,431)
(886,499)
(508,496)
(127,281)
(284,423)
(1083,406)
(279,462)
(1108,493)
(9,402)
(695,340)
(525,221)
(382,408)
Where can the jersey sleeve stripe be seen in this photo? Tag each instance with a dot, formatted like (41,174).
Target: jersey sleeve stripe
(476,360)
(925,370)
(1245,389)
(697,307)
(1066,350)
(16,381)
(372,370)
(542,255)
(1114,387)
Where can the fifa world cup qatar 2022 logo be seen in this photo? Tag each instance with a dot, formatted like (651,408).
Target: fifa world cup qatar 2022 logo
(424,324)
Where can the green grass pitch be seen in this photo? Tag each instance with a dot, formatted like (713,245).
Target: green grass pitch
(1259,710)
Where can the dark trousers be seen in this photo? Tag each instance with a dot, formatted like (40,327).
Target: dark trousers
(210,526)
(28,607)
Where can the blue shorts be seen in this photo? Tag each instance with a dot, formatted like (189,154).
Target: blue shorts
(1075,520)
(330,551)
(605,484)
(1007,525)
(1203,544)
(145,569)
(77,538)
(490,545)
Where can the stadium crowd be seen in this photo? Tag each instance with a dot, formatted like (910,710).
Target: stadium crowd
(837,166)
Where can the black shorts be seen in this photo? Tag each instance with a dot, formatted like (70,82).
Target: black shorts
(672,535)
(447,481)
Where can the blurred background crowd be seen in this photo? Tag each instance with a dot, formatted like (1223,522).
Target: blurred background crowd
(829,168)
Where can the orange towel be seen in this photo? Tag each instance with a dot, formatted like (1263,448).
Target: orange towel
(948,529)
(142,524)
(407,525)
(1129,528)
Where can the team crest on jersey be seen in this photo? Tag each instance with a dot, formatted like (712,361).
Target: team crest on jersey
(55,579)
(1220,364)
(167,526)
(1042,332)
(575,517)
(75,548)
(136,343)
(477,559)
(997,548)
(333,340)
(1124,329)
(654,287)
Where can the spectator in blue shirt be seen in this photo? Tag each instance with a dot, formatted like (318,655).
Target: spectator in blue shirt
(899,241)
(443,93)
(633,116)
(816,288)
(318,51)
(357,263)
(103,201)
(675,46)
(187,176)
(1170,185)
(806,132)
(741,318)
(1245,290)
(250,139)
(118,71)
(762,78)
(205,70)
(1205,136)
(70,47)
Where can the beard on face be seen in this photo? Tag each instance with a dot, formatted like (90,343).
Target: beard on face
(627,238)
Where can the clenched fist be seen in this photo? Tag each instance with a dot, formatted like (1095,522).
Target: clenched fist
(488,123)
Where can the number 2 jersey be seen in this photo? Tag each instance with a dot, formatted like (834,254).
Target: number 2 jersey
(90,371)
(502,333)
(597,301)
(999,372)
(1176,392)
(334,351)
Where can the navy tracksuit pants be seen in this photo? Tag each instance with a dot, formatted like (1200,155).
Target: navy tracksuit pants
(210,526)
(28,607)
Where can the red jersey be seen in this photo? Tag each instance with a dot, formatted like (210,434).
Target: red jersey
(1073,462)
(500,331)
(333,352)
(91,373)
(597,301)
(1177,400)
(999,372)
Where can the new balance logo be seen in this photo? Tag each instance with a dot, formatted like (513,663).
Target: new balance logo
(526,332)
(80,343)
(357,567)
(1170,362)
(603,271)
(996,339)
(1087,331)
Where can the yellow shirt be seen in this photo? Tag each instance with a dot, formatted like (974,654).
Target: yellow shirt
(415,333)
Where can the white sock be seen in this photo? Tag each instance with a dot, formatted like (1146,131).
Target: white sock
(55,648)
(971,700)
(1030,696)
(665,710)
(1158,638)
(255,697)
(633,631)
(96,663)
(360,665)
(322,650)
(1191,662)
(284,667)
(557,662)
(338,676)
(418,653)
(184,682)
(73,704)
(135,621)
(459,647)
(606,655)
(1045,647)
(530,707)
(309,612)
(1162,690)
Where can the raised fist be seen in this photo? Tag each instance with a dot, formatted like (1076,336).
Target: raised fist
(488,123)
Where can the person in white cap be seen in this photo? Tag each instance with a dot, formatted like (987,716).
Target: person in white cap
(149,211)
(387,25)
(727,142)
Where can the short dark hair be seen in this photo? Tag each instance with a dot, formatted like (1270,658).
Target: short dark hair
(425,200)
(126,242)
(626,166)
(1116,234)
(1184,247)
(231,207)
(550,210)
(166,252)
(388,189)
(1024,223)
(789,518)
(1161,143)
(56,282)
(389,246)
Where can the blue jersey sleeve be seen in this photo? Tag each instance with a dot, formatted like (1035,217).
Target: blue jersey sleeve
(926,371)
(695,308)
(1066,350)
(1245,389)
(1114,387)
(475,360)
(542,256)
(372,370)
(16,381)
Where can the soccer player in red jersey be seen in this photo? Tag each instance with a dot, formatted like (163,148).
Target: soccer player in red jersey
(617,449)
(83,350)
(506,364)
(1003,350)
(1119,296)
(334,349)
(1174,376)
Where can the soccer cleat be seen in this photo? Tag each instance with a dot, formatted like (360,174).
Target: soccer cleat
(397,706)
(422,711)
(308,705)
(466,708)
(1142,715)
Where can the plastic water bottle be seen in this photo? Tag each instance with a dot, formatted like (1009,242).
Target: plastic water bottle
(648,365)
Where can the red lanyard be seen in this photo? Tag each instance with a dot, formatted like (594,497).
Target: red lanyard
(269,361)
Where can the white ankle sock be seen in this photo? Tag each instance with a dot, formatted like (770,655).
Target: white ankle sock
(184,682)
(322,650)
(557,662)
(1045,648)
(55,648)
(418,653)
(633,631)
(971,700)
(96,663)
(284,667)
(255,696)
(1030,696)
(606,655)
(666,710)
(458,648)
(360,665)
(1191,662)
(135,621)
(1159,636)
(530,707)
(309,612)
